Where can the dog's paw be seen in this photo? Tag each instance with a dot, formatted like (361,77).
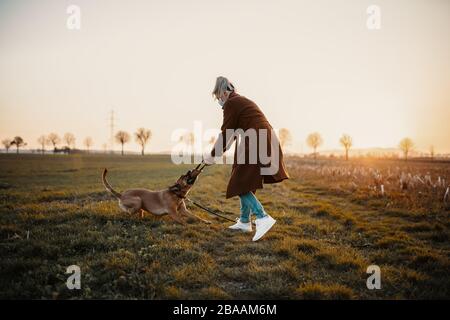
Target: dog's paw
(191,220)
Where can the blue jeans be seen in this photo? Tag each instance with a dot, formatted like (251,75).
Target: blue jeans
(249,204)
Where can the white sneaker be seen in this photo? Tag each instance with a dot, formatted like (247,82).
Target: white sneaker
(262,226)
(247,227)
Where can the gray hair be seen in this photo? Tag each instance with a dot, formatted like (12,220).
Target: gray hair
(222,85)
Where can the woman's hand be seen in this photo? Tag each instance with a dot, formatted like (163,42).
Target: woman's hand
(208,159)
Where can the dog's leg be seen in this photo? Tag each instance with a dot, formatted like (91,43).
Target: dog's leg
(173,213)
(183,210)
(131,205)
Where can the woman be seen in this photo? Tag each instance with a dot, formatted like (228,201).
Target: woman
(248,176)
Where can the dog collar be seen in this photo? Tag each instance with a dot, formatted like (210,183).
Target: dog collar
(171,189)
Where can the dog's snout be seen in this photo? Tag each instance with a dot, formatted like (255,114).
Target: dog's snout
(191,180)
(191,176)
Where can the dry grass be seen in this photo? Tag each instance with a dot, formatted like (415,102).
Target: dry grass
(328,232)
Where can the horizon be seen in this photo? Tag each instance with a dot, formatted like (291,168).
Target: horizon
(385,152)
(309,67)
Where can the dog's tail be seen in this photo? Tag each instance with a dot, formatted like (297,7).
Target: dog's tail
(108,186)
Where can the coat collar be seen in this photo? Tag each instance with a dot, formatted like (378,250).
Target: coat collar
(232,95)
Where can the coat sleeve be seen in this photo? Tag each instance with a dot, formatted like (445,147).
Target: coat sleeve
(230,121)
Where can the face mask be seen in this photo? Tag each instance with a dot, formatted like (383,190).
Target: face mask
(221,103)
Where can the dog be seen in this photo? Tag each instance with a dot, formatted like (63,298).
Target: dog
(169,201)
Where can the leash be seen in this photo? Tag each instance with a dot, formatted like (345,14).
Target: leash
(200,167)
(209,210)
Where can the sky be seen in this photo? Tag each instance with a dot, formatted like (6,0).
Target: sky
(309,65)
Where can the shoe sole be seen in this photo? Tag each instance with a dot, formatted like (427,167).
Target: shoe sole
(243,230)
(270,227)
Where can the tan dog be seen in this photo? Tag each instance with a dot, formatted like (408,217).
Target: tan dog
(168,201)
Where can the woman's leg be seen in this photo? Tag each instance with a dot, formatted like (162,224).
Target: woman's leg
(253,204)
(263,221)
(245,210)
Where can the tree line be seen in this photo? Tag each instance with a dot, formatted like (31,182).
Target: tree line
(314,141)
(142,137)
(67,141)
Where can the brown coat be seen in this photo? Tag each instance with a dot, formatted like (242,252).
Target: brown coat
(242,113)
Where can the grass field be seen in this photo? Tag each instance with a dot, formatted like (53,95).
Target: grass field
(54,212)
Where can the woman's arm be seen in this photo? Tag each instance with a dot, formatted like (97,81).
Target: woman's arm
(230,122)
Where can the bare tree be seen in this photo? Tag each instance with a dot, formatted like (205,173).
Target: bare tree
(122,137)
(314,141)
(346,142)
(88,142)
(188,139)
(142,137)
(406,145)
(105,147)
(285,137)
(212,140)
(54,140)
(43,141)
(432,152)
(69,139)
(18,142)
(7,144)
